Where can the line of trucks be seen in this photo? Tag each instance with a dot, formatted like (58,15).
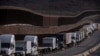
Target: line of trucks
(29,46)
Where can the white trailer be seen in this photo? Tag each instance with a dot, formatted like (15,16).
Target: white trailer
(67,38)
(7,44)
(23,48)
(83,35)
(78,37)
(50,42)
(70,38)
(84,31)
(92,27)
(34,44)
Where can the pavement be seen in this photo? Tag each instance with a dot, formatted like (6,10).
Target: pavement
(87,44)
(96,53)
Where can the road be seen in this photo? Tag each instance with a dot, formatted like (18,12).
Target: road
(96,53)
(88,43)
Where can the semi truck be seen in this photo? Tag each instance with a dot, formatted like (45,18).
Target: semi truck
(67,39)
(23,48)
(94,26)
(73,38)
(7,44)
(50,42)
(60,40)
(34,43)
(87,29)
(78,38)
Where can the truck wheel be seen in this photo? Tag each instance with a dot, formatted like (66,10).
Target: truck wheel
(17,55)
(40,54)
(28,55)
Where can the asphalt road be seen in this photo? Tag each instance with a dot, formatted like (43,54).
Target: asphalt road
(96,53)
(88,43)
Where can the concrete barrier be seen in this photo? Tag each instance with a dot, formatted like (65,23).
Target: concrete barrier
(89,51)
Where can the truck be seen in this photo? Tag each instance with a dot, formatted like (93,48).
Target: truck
(60,40)
(51,43)
(67,39)
(94,26)
(70,39)
(73,38)
(78,38)
(7,44)
(34,43)
(84,32)
(83,35)
(87,29)
(23,48)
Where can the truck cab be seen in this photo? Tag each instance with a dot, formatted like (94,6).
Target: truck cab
(7,44)
(34,43)
(60,40)
(78,37)
(73,38)
(87,29)
(50,42)
(94,26)
(23,48)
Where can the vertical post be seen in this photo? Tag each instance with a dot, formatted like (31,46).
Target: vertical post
(53,21)
(46,21)
(50,21)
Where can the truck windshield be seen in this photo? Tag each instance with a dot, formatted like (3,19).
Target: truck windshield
(47,44)
(33,44)
(19,48)
(5,45)
(73,37)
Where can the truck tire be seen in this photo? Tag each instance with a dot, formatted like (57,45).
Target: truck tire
(18,55)
(40,54)
(28,55)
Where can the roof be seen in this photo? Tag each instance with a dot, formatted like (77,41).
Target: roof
(56,7)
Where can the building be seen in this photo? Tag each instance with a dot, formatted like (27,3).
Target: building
(45,16)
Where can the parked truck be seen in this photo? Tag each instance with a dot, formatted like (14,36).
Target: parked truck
(60,39)
(34,43)
(87,29)
(23,48)
(50,42)
(94,26)
(7,44)
(73,38)
(78,37)
(67,39)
